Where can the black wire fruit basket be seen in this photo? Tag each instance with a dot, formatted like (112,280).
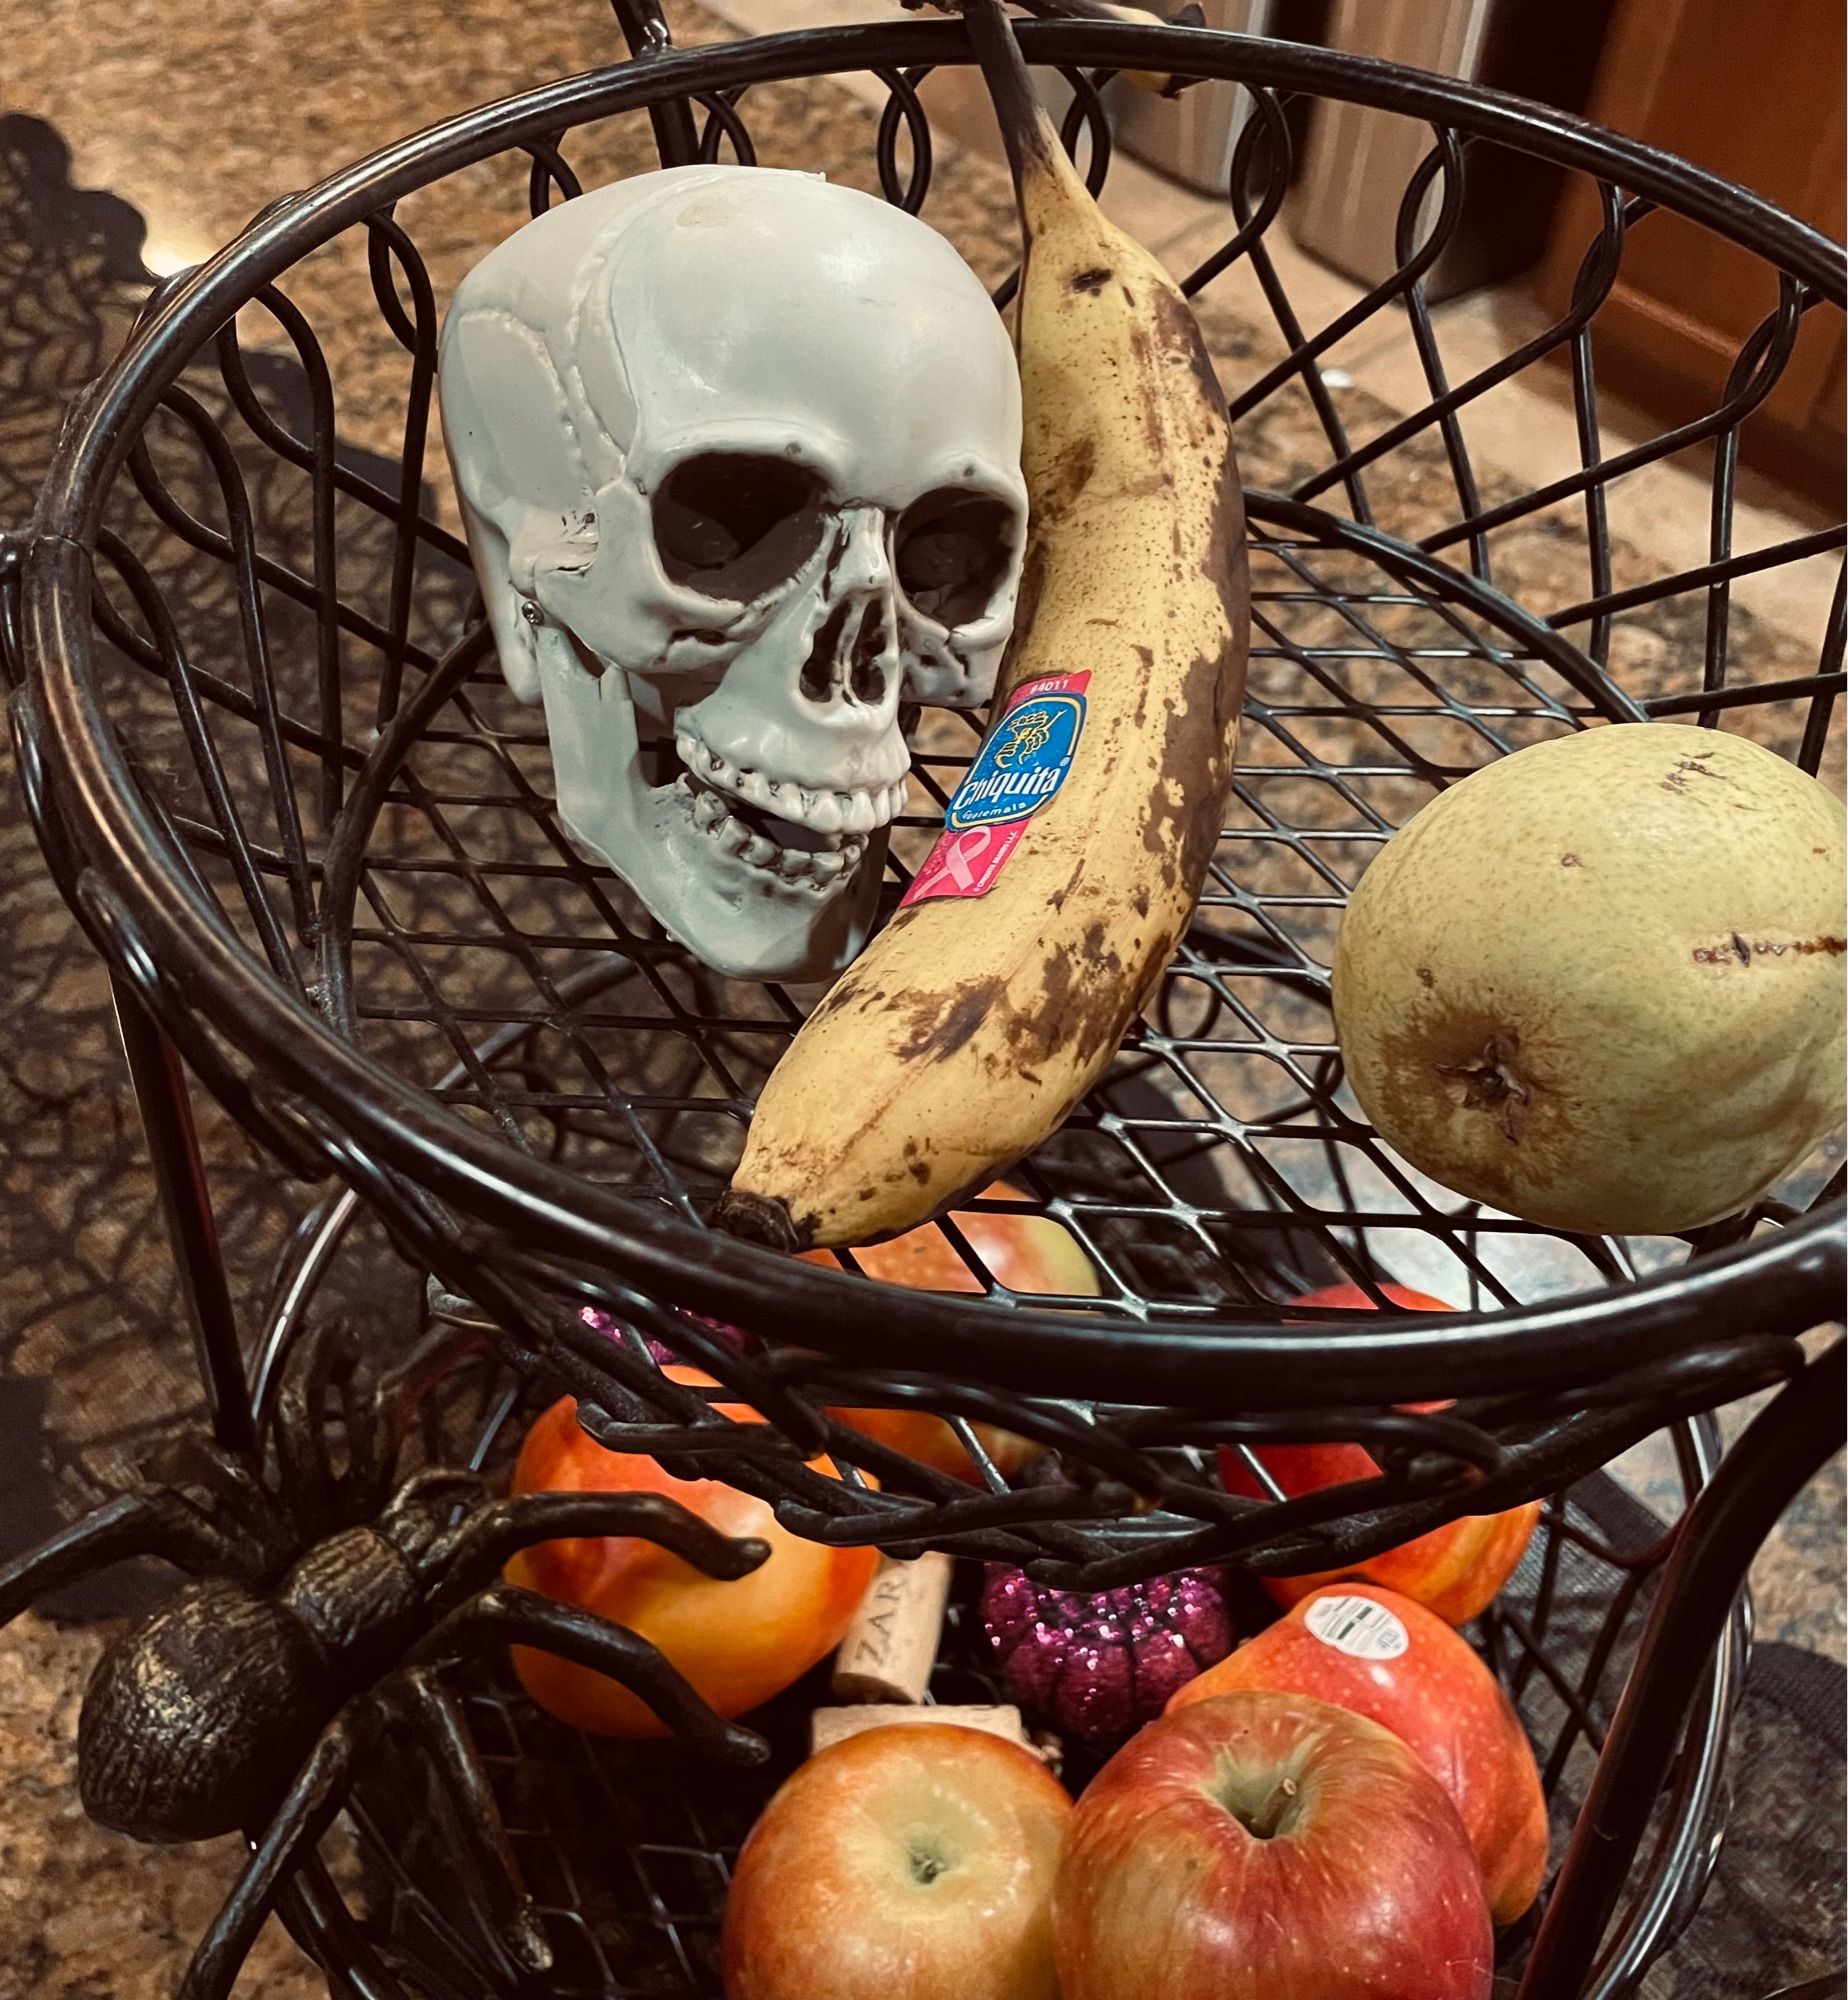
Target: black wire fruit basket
(279,779)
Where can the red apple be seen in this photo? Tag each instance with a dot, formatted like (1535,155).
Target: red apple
(1454,1570)
(1386,1658)
(1026,1253)
(910,1862)
(1270,1846)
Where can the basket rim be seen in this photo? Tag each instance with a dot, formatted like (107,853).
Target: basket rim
(1782,1283)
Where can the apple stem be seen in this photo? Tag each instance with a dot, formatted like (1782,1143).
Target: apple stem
(926,1866)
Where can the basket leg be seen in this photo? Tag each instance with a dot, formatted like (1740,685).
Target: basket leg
(645,31)
(186,1203)
(1778,1455)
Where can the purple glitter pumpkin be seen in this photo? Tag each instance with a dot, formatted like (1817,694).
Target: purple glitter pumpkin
(1099,1667)
(601,1322)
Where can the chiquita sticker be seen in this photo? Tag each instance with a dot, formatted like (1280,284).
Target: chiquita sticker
(1016,774)
(1357,1626)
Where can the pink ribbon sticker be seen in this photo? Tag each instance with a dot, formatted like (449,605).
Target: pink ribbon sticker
(964,864)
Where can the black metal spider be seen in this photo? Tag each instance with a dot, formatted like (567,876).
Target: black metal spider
(324,1609)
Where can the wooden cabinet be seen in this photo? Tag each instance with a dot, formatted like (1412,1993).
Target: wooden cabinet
(1754,93)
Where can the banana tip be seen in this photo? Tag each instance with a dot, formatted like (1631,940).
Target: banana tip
(757,1218)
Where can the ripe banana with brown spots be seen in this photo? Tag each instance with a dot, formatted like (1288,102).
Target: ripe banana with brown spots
(1076,847)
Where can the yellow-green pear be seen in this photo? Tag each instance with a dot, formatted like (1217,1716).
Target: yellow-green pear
(1599,983)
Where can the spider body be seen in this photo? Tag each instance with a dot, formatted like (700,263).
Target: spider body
(323,1609)
(189,1715)
(192,1711)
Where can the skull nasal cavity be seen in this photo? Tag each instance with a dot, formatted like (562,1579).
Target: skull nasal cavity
(827,667)
(817,681)
(733,525)
(867,680)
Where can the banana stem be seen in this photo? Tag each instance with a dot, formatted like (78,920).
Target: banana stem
(1032,145)
(1190,16)
(1106,10)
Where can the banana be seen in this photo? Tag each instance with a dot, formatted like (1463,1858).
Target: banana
(1076,846)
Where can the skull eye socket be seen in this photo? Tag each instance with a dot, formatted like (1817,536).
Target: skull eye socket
(733,525)
(951,552)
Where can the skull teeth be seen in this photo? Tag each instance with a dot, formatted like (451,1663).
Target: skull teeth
(850,813)
(798,867)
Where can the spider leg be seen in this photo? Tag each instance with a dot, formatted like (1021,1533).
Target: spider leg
(305,1813)
(477,1548)
(397,1396)
(431,1709)
(225,1490)
(379,1409)
(152,1521)
(364,1483)
(443,1484)
(310,1485)
(507,1615)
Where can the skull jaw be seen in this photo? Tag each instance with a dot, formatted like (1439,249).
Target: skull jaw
(740,920)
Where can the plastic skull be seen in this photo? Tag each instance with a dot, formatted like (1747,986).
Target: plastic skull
(738,454)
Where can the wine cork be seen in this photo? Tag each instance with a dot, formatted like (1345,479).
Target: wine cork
(1048,1748)
(891,1646)
(834,1725)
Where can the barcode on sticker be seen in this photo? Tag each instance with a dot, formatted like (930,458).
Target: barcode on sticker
(1358,1627)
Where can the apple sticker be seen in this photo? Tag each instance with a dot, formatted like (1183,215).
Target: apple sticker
(1358,1627)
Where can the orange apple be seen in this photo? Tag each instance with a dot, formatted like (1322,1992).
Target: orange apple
(910,1862)
(739,1643)
(1027,1253)
(1386,1658)
(1454,1570)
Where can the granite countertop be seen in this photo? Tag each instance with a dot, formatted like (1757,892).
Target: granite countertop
(197,117)
(83,1915)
